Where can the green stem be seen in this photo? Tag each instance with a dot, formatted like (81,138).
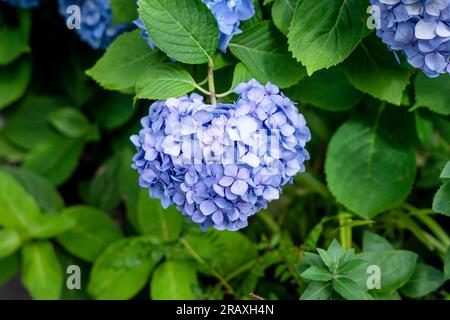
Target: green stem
(313,183)
(200,260)
(241,269)
(423,216)
(345,230)
(221,95)
(203,81)
(199,88)
(212,88)
(269,221)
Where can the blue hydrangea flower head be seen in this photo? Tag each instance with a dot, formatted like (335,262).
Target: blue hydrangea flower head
(97,27)
(221,164)
(24,4)
(228,14)
(420,29)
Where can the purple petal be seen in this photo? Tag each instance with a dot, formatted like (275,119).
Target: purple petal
(208,207)
(239,187)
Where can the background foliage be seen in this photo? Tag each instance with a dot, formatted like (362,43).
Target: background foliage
(378,181)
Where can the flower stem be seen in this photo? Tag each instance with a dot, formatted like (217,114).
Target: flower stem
(200,260)
(345,230)
(199,88)
(212,88)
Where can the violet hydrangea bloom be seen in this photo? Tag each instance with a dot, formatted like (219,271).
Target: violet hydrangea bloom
(97,27)
(420,29)
(220,164)
(228,14)
(24,4)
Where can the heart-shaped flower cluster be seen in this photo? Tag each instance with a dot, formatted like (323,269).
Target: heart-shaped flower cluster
(96,21)
(220,164)
(228,14)
(419,28)
(24,4)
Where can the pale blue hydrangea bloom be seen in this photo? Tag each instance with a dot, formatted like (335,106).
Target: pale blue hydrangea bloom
(228,14)
(420,29)
(24,4)
(221,164)
(97,27)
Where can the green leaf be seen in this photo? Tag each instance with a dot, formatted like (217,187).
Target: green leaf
(352,267)
(282,12)
(28,123)
(424,128)
(55,158)
(9,267)
(317,291)
(335,251)
(123,11)
(447,264)
(14,80)
(123,269)
(241,74)
(10,241)
(263,51)
(314,273)
(184,29)
(15,38)
(41,271)
(443,127)
(224,251)
(396,266)
(9,151)
(71,75)
(45,194)
(163,224)
(378,167)
(49,226)
(70,122)
(441,200)
(327,259)
(17,208)
(164,81)
(425,280)
(313,259)
(374,242)
(174,280)
(103,190)
(128,188)
(339,95)
(319,35)
(381,295)
(445,174)
(372,69)
(93,232)
(125,60)
(349,289)
(112,109)
(433,94)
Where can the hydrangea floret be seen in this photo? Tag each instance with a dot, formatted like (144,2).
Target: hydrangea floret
(97,28)
(418,28)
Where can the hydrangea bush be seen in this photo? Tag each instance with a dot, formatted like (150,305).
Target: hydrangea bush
(265,149)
